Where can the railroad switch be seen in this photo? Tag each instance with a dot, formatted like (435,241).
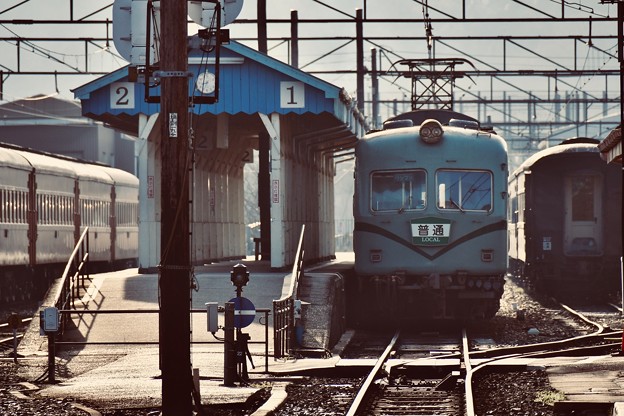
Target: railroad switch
(448,382)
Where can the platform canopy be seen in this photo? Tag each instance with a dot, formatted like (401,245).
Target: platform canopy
(611,146)
(249,83)
(299,123)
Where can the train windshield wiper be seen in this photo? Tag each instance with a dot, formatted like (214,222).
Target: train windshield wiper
(405,203)
(457,205)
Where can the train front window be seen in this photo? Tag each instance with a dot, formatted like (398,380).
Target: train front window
(398,191)
(462,190)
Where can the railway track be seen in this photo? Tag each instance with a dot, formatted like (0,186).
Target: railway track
(11,333)
(403,379)
(392,388)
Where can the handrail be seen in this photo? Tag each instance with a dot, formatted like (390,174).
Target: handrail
(297,270)
(284,308)
(73,278)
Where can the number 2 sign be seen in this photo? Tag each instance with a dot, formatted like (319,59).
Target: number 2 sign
(122,95)
(292,94)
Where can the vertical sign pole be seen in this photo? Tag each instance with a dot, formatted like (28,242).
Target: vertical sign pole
(229,358)
(620,32)
(359,41)
(52,357)
(175,247)
(375,87)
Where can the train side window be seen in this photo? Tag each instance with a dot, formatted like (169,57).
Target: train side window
(463,190)
(12,207)
(22,207)
(18,207)
(398,190)
(513,209)
(55,209)
(83,212)
(41,205)
(70,210)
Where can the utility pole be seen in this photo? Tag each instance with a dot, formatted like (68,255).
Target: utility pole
(174,282)
(620,32)
(262,27)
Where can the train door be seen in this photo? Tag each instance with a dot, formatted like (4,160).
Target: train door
(583,214)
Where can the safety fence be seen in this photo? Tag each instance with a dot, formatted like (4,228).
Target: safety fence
(284,308)
(263,320)
(73,278)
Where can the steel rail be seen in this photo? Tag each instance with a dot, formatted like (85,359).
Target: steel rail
(531,350)
(6,324)
(10,340)
(599,328)
(469,397)
(468,381)
(355,405)
(613,305)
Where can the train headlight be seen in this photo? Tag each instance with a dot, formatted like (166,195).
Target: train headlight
(431,131)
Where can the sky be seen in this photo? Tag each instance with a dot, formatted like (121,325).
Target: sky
(329,54)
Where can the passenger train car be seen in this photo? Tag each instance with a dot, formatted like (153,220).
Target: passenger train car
(430,206)
(45,203)
(565,221)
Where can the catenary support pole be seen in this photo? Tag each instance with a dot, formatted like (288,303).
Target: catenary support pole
(174,282)
(294,39)
(262,26)
(359,40)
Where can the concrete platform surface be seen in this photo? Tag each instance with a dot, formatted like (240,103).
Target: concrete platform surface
(95,366)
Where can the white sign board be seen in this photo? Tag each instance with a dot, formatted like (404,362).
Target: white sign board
(121,95)
(292,94)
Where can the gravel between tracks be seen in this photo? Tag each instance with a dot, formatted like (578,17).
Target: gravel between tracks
(518,394)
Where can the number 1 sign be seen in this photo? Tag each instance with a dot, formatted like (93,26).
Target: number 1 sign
(292,94)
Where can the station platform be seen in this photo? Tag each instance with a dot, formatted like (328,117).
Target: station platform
(112,359)
(100,369)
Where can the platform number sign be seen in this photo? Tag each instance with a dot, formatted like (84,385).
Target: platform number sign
(122,95)
(292,94)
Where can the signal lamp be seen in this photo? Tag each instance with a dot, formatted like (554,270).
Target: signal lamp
(239,275)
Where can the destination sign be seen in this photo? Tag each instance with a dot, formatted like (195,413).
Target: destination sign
(430,231)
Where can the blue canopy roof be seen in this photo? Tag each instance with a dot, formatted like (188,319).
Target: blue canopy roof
(250,82)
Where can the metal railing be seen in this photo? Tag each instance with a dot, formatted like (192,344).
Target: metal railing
(73,278)
(284,308)
(263,320)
